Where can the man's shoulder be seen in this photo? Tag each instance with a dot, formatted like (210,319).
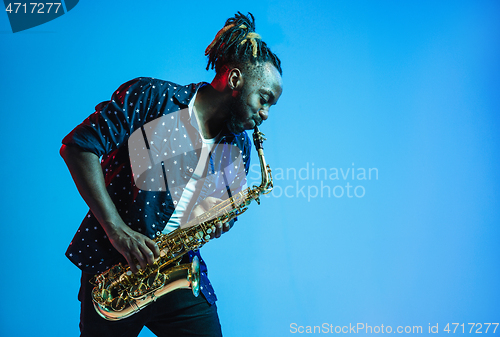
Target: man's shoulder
(182,93)
(160,83)
(154,83)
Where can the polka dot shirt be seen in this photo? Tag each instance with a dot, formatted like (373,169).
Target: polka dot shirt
(122,133)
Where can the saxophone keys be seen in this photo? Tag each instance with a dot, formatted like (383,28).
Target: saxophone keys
(138,290)
(152,278)
(105,295)
(118,303)
(161,279)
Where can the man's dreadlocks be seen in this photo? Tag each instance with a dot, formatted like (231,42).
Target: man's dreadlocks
(238,44)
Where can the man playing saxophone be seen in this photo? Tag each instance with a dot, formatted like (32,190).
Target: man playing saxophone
(194,138)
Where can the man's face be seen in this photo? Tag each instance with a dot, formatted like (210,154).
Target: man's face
(260,91)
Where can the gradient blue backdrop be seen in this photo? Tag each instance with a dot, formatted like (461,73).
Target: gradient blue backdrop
(410,89)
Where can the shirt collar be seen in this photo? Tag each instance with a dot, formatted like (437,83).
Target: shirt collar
(184,94)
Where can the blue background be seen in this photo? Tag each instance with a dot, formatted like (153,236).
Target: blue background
(408,88)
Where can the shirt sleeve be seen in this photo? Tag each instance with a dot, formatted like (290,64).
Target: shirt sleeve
(114,121)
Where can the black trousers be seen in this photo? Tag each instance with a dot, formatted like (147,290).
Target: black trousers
(178,313)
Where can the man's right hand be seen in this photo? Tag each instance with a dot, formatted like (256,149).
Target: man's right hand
(86,171)
(138,249)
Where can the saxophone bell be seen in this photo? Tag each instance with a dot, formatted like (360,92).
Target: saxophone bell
(195,276)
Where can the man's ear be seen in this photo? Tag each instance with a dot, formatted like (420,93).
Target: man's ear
(235,79)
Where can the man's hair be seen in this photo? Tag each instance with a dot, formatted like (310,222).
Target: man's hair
(237,44)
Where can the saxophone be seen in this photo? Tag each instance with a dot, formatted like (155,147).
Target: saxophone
(118,293)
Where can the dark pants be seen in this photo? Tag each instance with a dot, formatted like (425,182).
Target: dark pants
(177,313)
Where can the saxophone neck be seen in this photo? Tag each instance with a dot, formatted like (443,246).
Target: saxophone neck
(266,184)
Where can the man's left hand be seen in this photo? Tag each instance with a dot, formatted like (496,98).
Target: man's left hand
(207,205)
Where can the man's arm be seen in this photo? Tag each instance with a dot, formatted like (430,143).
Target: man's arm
(89,179)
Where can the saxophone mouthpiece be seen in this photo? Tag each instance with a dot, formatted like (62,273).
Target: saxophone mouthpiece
(257,138)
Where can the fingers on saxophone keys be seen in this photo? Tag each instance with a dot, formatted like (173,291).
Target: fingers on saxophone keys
(218,231)
(133,262)
(150,257)
(156,250)
(141,258)
(144,257)
(226,227)
(212,231)
(151,251)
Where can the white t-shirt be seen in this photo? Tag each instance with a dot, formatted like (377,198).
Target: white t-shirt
(189,194)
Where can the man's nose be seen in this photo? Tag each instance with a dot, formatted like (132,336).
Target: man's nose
(264,113)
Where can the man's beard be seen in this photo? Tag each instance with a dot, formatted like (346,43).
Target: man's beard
(234,124)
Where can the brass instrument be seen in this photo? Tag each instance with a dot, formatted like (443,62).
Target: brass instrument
(118,293)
